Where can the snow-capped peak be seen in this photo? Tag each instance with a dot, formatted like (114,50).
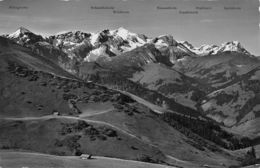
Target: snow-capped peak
(165,40)
(19,31)
(205,49)
(24,36)
(133,39)
(187,44)
(94,38)
(122,29)
(122,32)
(23,30)
(233,46)
(208,49)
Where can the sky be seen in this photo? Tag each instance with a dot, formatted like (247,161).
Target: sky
(196,21)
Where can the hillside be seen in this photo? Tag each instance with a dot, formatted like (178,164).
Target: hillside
(37,160)
(236,104)
(218,70)
(120,94)
(35,94)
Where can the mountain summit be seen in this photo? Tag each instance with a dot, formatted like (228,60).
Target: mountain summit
(24,36)
(232,46)
(122,40)
(18,32)
(122,32)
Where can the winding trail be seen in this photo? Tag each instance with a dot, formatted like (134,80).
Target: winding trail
(78,118)
(70,117)
(94,122)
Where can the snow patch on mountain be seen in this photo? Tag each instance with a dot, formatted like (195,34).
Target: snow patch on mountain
(160,43)
(96,53)
(78,44)
(127,35)
(122,32)
(19,32)
(231,46)
(94,38)
(205,49)
(132,39)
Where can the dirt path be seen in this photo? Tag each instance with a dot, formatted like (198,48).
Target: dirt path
(95,122)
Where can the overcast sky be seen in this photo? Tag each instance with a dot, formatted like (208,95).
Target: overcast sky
(197,21)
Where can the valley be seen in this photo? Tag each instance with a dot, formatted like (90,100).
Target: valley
(124,97)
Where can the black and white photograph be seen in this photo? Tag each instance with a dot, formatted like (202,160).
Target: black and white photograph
(129,83)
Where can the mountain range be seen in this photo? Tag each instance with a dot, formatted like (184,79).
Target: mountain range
(120,94)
